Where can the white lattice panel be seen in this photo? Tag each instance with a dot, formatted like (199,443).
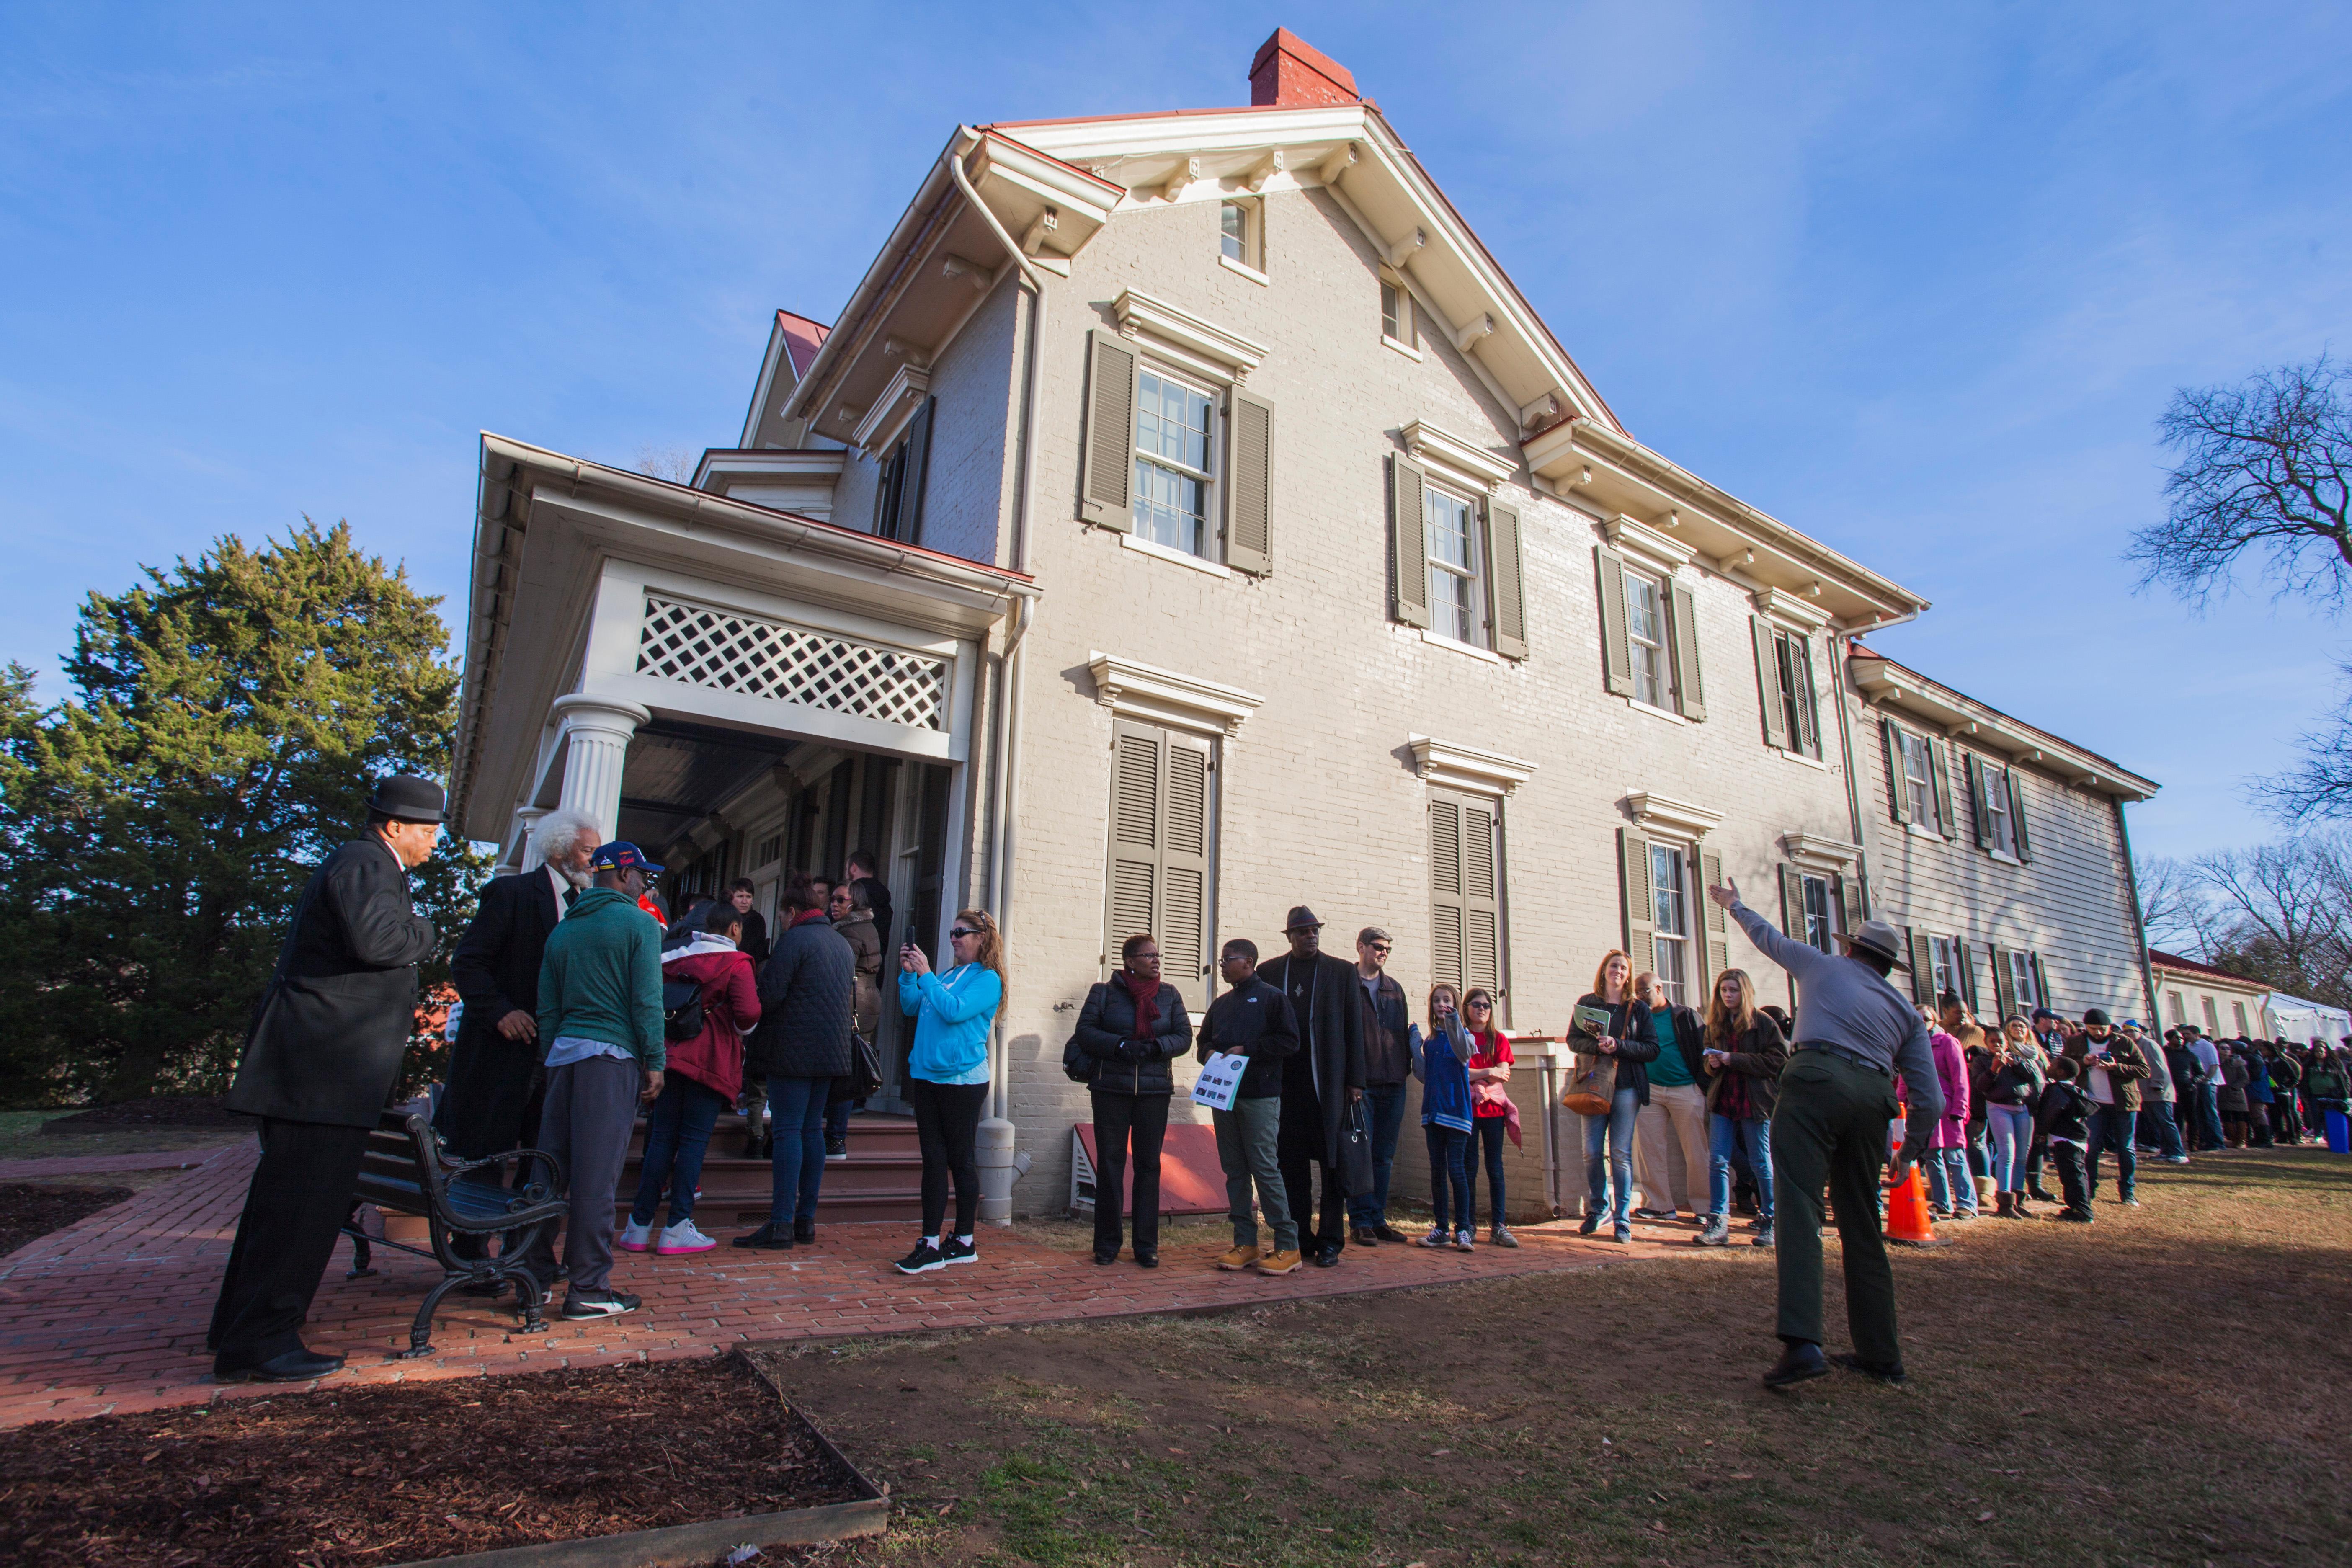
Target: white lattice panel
(702,646)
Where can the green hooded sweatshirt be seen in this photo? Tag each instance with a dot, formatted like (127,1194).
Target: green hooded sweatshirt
(602,978)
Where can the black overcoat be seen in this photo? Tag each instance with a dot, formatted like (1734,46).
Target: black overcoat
(1334,1031)
(326,1041)
(495,970)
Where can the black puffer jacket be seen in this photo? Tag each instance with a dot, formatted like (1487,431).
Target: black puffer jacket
(1756,1057)
(807,994)
(1106,1032)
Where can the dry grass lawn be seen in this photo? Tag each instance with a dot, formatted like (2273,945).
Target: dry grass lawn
(2172,1384)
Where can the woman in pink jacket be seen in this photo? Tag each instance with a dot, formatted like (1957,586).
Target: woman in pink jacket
(704,1076)
(1951,1191)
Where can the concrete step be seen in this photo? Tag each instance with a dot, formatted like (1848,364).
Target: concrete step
(881,1180)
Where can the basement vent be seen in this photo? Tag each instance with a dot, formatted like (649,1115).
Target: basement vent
(701,647)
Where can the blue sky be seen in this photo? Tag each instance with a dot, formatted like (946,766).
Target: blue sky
(1916,280)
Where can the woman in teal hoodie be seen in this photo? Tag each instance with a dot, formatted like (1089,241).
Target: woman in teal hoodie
(947,1077)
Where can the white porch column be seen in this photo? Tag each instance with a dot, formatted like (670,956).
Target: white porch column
(597,732)
(525,819)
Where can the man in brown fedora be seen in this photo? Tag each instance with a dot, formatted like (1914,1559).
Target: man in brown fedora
(1319,1080)
(319,1064)
(1853,1033)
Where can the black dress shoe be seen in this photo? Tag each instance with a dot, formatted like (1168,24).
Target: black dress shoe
(1148,1259)
(1327,1255)
(804,1231)
(1801,1363)
(1366,1237)
(1384,1231)
(1102,1256)
(1890,1373)
(767,1239)
(289,1366)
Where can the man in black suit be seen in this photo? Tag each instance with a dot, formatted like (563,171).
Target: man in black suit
(491,1102)
(1319,1080)
(319,1064)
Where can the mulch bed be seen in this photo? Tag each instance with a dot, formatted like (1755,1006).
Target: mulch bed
(398,1473)
(157,1110)
(30,1210)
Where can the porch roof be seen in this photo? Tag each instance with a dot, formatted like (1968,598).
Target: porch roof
(544,525)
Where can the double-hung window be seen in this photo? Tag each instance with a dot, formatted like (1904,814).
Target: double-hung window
(1918,781)
(1670,918)
(1396,313)
(1449,535)
(1821,919)
(2025,982)
(1945,976)
(1174,436)
(1784,676)
(1645,633)
(2238,1015)
(2001,832)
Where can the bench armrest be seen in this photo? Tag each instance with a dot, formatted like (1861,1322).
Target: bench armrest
(554,1167)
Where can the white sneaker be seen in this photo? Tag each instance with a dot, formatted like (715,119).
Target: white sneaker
(683,1238)
(635,1238)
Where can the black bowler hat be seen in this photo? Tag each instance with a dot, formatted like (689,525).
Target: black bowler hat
(406,797)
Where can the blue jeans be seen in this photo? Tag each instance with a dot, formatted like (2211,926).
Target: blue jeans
(1487,1132)
(1727,1135)
(836,1118)
(1617,1128)
(2012,1139)
(1384,1105)
(2111,1128)
(1449,1175)
(678,1134)
(1950,1187)
(2163,1133)
(796,1119)
(2209,1116)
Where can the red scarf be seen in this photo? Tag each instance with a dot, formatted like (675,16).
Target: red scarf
(1147,1006)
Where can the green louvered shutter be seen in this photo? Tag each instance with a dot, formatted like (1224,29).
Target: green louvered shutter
(1505,582)
(1939,769)
(1898,785)
(1923,964)
(1249,532)
(1634,896)
(1690,686)
(1768,682)
(1107,489)
(1718,946)
(2017,817)
(1979,808)
(1408,543)
(1445,901)
(1616,646)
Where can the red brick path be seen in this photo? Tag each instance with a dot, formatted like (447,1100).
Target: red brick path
(110,1314)
(103,1164)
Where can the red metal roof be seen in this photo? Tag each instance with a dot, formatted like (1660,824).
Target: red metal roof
(802,338)
(2191,966)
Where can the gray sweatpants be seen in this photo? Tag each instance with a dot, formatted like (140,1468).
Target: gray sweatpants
(1246,1136)
(591,1108)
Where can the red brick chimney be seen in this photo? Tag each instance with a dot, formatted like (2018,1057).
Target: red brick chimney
(1291,73)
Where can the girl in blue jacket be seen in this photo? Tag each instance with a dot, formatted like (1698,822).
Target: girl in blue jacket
(947,1078)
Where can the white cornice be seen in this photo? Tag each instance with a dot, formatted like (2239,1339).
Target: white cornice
(1815,853)
(1227,353)
(1795,612)
(1464,459)
(908,388)
(1138,690)
(1676,816)
(1639,539)
(1960,719)
(1454,766)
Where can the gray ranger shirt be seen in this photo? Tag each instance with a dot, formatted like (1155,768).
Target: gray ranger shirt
(1843,1002)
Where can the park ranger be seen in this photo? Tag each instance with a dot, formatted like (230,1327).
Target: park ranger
(1853,1031)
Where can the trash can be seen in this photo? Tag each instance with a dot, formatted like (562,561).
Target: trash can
(2339,1133)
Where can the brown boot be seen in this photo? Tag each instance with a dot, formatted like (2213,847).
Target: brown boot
(2006,1206)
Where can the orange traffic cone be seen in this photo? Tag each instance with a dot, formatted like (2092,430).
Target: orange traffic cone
(1907,1222)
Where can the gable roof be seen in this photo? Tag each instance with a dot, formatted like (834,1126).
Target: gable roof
(2179,965)
(1986,728)
(794,341)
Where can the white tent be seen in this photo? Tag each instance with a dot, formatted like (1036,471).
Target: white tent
(2293,1018)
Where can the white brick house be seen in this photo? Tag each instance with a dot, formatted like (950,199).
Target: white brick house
(1184,519)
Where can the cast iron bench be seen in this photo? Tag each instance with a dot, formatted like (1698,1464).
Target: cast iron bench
(406,1171)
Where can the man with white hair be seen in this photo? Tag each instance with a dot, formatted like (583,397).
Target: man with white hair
(491,1103)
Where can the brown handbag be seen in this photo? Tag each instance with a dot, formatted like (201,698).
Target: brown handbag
(1592,1085)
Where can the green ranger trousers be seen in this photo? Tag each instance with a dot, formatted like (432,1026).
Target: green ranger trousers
(1830,1129)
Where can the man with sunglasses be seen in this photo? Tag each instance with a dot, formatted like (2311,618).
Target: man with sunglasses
(1387,1063)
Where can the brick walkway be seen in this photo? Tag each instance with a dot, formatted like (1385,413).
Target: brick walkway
(104,1164)
(110,1314)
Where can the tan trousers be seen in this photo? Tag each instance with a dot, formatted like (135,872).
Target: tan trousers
(1675,1118)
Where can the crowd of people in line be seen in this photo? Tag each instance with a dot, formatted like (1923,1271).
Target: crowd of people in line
(578,1013)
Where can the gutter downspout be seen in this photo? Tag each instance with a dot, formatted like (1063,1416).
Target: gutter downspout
(999,1166)
(2139,928)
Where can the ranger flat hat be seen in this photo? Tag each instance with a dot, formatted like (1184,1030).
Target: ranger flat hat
(408,798)
(1301,916)
(1880,938)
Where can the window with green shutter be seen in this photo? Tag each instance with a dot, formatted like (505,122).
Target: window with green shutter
(1465,891)
(1158,876)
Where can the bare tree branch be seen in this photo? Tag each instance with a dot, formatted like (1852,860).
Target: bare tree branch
(2265,465)
(2320,787)
(2174,906)
(2286,916)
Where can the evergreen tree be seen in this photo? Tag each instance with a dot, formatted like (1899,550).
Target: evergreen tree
(228,719)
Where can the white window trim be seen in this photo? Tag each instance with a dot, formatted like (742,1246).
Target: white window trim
(1169,552)
(1662,815)
(1918,830)
(1153,695)
(1439,639)
(1212,479)
(1454,766)
(1245,268)
(1447,486)
(1789,612)
(1462,460)
(1823,857)
(1653,549)
(1653,710)
(1253,211)
(1801,759)
(1407,350)
(1668,673)
(1184,339)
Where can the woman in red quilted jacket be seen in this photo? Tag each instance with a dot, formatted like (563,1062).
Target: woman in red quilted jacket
(704,1078)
